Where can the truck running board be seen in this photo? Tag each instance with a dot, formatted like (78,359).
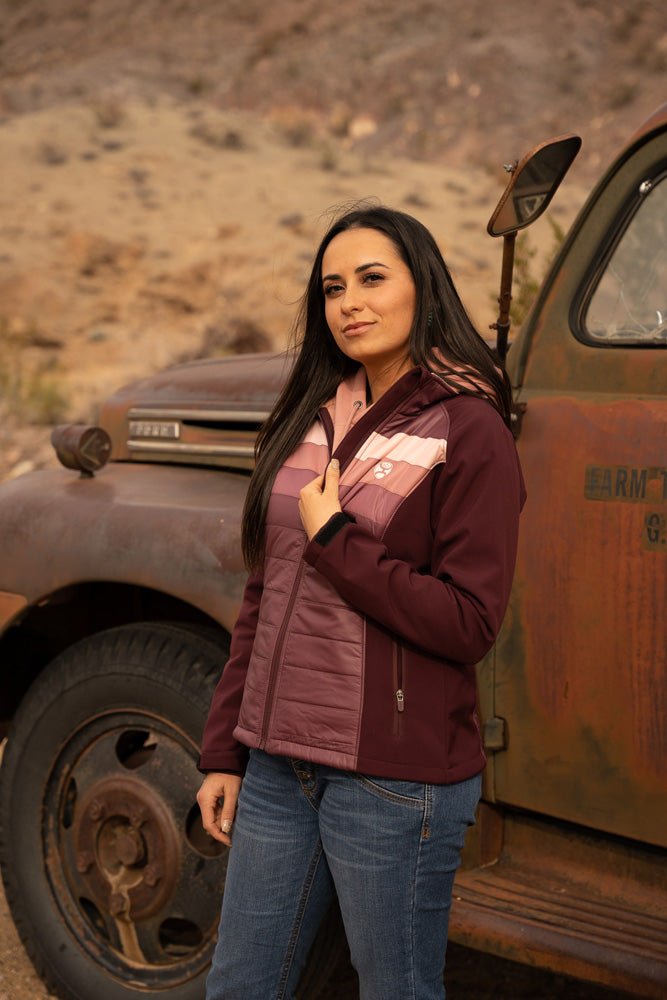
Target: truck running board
(558,899)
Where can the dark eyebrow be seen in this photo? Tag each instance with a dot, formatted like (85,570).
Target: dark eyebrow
(357,270)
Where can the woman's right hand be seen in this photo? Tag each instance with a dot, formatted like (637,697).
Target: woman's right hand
(217,800)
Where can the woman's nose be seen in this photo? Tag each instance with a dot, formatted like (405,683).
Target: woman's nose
(351,301)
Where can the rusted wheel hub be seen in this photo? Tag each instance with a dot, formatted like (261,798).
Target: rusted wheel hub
(126,846)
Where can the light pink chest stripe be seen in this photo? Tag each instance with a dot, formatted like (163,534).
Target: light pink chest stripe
(424,452)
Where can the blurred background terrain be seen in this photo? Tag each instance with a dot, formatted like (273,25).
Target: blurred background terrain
(169,165)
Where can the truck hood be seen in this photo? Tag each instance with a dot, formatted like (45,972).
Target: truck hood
(203,413)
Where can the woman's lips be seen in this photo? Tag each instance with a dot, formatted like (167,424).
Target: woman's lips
(354,329)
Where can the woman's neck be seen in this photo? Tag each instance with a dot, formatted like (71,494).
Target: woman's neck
(379,380)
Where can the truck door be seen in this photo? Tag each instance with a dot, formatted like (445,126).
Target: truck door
(581,664)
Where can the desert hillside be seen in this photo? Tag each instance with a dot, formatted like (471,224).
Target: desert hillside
(168,165)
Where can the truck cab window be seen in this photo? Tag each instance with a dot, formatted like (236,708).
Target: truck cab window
(629,303)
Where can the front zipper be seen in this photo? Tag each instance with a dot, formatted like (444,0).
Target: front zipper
(277,653)
(327,424)
(325,418)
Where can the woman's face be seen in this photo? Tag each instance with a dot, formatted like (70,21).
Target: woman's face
(369,300)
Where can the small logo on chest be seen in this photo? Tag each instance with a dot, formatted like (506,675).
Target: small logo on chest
(382,469)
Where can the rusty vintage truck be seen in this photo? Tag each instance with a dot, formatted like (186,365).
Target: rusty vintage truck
(120,584)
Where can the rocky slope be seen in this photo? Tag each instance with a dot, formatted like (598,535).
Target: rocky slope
(167,166)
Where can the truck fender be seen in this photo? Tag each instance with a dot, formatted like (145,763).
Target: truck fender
(175,530)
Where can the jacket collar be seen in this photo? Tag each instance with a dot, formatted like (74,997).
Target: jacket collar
(349,420)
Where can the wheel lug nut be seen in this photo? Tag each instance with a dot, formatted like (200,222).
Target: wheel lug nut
(152,875)
(84,860)
(137,817)
(96,809)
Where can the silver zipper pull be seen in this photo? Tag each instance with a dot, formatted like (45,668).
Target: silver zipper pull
(400,700)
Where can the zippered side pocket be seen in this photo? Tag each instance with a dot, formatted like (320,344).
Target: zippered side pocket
(399,690)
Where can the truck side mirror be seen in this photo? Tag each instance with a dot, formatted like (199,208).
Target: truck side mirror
(534,181)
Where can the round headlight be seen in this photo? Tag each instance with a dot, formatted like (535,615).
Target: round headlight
(81,447)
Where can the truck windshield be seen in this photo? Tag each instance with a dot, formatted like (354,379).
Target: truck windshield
(629,304)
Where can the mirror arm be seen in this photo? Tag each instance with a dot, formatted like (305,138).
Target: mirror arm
(531,187)
(502,325)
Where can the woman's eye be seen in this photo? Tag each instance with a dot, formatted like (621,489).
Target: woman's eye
(369,278)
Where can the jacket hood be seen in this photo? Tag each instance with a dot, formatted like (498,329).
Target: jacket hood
(409,395)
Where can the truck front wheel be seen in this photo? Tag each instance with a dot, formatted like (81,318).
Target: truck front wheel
(113,884)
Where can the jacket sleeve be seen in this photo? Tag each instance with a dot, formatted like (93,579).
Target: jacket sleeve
(220,751)
(455,610)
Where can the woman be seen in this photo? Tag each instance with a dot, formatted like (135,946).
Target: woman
(380,530)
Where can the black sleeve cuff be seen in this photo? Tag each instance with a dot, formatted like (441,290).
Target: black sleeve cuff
(329,531)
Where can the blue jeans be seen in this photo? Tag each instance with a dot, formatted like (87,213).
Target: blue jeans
(388,848)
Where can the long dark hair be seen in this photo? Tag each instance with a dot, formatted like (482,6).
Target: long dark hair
(442,339)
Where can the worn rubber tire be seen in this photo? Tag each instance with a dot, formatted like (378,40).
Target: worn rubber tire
(114,721)
(110,728)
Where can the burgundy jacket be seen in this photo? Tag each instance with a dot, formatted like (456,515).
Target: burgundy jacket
(358,649)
